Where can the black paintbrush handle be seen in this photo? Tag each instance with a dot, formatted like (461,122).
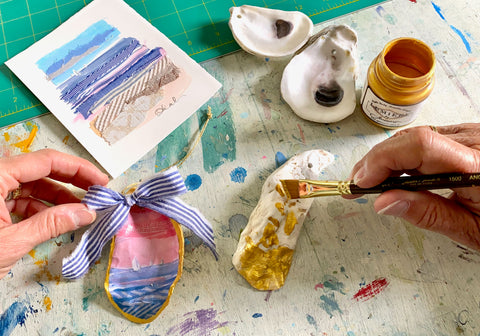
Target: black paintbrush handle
(421,182)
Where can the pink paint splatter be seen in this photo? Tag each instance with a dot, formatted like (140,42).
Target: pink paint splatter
(319,285)
(414,1)
(301,133)
(267,297)
(369,291)
(226,96)
(222,114)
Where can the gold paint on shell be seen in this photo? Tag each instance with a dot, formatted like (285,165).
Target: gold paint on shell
(281,208)
(265,270)
(290,223)
(270,237)
(279,189)
(274,221)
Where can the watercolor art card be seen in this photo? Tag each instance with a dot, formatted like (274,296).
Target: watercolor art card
(117,84)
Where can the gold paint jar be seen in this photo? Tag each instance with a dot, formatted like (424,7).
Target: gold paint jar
(399,80)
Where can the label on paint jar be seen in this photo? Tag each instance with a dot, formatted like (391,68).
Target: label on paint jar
(386,114)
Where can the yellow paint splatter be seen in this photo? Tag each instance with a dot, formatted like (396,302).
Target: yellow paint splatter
(224,330)
(65,140)
(47,302)
(32,253)
(43,272)
(6,136)
(24,145)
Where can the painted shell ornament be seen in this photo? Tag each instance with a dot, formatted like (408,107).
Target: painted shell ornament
(269,32)
(146,254)
(319,81)
(266,246)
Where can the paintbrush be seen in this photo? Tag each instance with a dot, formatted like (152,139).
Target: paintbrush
(311,188)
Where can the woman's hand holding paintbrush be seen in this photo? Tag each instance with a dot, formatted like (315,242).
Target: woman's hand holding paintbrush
(310,188)
(421,151)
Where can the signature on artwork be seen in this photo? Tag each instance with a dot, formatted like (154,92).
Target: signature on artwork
(163,107)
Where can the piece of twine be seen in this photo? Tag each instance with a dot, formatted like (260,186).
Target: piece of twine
(131,188)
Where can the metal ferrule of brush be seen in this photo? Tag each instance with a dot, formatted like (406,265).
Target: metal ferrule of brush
(326,188)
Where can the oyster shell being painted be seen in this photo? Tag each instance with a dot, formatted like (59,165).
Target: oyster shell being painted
(268,32)
(265,249)
(319,81)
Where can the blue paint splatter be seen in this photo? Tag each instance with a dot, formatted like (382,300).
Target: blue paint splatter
(456,30)
(311,321)
(193,182)
(15,315)
(85,304)
(329,304)
(196,299)
(257,315)
(331,283)
(350,333)
(238,175)
(361,200)
(464,39)
(280,159)
(380,10)
(439,11)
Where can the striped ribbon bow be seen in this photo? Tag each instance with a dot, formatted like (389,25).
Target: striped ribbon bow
(158,194)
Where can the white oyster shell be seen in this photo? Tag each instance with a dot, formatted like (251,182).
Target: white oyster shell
(266,245)
(319,81)
(269,32)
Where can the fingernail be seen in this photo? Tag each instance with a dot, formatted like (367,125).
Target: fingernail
(397,209)
(83,217)
(358,175)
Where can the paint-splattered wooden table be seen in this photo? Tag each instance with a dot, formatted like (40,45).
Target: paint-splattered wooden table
(354,272)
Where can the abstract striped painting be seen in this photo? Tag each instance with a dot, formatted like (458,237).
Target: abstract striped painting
(118,84)
(113,82)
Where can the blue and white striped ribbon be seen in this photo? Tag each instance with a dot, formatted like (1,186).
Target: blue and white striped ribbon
(158,194)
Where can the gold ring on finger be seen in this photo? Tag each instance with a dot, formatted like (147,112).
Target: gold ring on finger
(14,194)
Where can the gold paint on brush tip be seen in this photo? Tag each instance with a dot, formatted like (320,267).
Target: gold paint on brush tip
(310,188)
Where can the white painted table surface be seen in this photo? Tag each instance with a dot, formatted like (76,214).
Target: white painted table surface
(433,283)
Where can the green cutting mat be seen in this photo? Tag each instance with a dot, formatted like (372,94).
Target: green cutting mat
(199,27)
